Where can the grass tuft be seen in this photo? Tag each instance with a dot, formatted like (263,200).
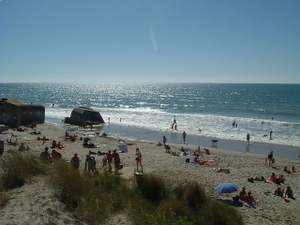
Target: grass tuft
(152,187)
(17,168)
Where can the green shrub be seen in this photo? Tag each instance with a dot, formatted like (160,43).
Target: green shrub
(192,194)
(219,213)
(186,204)
(152,188)
(19,167)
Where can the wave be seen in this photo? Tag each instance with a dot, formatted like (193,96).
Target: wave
(210,125)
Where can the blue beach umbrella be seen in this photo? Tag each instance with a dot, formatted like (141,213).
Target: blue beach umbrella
(226,188)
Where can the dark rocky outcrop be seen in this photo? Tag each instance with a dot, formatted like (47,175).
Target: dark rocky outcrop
(84,116)
(14,113)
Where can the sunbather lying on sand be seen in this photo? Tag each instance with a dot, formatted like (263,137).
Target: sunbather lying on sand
(277,180)
(223,170)
(35,132)
(256,178)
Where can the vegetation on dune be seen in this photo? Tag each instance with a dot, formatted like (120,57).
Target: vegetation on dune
(150,200)
(185,204)
(92,199)
(16,168)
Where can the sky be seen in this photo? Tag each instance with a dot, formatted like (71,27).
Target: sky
(94,41)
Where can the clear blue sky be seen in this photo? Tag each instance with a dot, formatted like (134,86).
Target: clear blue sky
(154,40)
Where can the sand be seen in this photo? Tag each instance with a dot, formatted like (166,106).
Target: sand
(34,202)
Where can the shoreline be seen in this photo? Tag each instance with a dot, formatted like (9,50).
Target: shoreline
(144,134)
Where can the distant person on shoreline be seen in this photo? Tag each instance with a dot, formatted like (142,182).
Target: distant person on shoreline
(174,124)
(120,120)
(184,137)
(248,138)
(234,124)
(271,133)
(164,140)
(108,119)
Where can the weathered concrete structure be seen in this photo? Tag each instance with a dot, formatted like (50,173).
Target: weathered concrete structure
(83,116)
(14,113)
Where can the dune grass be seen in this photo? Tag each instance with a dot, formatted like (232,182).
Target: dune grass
(17,168)
(92,199)
(185,204)
(148,201)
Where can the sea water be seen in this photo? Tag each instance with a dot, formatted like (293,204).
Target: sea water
(199,109)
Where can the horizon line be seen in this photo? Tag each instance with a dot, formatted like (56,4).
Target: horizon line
(143,82)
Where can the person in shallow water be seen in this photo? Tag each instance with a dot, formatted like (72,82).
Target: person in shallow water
(271,133)
(248,138)
(184,137)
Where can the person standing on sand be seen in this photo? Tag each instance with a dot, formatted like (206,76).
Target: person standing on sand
(184,137)
(109,157)
(248,138)
(117,160)
(164,140)
(138,159)
(75,161)
(45,155)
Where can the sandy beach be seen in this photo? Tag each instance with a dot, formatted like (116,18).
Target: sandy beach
(35,204)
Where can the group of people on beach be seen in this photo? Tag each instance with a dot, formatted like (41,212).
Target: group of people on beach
(46,156)
(110,158)
(246,197)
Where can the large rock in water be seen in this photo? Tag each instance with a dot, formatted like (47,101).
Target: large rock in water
(84,116)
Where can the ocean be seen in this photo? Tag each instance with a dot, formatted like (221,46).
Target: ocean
(200,109)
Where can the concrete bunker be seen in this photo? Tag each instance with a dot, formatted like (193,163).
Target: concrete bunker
(14,113)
